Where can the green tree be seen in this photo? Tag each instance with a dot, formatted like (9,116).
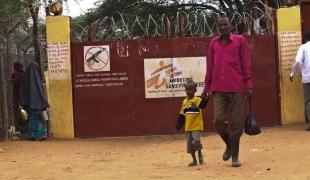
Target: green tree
(13,17)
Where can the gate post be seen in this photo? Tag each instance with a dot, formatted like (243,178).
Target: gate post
(59,84)
(289,40)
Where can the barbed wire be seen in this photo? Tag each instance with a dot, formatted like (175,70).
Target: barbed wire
(199,23)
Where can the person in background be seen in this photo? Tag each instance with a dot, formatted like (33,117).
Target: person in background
(33,99)
(302,63)
(228,79)
(191,116)
(16,78)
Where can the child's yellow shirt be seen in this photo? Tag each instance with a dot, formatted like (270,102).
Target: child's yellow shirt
(193,114)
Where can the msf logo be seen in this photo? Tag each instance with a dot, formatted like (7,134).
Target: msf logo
(163,73)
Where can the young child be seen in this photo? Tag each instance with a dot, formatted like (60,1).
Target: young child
(191,116)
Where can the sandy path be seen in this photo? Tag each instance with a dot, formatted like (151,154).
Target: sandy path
(278,153)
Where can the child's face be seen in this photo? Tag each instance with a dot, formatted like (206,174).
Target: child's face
(190,91)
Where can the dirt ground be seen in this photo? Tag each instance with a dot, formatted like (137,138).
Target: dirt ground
(278,153)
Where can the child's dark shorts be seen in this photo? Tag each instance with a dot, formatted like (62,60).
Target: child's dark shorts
(193,141)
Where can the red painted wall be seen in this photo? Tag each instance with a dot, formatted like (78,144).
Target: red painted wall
(122,110)
(305,15)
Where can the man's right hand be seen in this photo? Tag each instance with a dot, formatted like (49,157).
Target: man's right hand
(291,78)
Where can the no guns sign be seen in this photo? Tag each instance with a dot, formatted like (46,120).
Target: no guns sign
(96,58)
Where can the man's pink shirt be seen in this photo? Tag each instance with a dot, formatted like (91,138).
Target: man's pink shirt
(228,66)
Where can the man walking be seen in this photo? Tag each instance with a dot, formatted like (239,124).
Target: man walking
(228,76)
(302,63)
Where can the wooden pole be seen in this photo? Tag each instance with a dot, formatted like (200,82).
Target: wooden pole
(167,27)
(5,119)
(8,67)
(181,26)
(34,11)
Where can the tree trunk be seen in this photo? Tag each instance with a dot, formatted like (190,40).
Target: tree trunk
(34,15)
(5,118)
(8,69)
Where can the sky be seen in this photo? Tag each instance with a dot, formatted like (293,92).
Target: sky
(77,8)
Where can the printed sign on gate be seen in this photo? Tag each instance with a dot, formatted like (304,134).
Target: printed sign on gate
(96,58)
(166,77)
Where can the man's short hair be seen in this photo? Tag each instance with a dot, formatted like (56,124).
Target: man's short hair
(223,15)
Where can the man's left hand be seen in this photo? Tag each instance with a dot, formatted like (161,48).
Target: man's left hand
(248,93)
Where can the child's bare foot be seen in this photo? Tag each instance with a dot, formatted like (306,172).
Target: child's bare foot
(194,163)
(201,160)
(200,157)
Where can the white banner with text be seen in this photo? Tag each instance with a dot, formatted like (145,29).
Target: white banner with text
(165,77)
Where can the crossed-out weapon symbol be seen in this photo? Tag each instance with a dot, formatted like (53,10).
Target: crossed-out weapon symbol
(95,59)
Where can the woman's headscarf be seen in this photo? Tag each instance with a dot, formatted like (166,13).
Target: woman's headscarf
(32,93)
(16,78)
(18,71)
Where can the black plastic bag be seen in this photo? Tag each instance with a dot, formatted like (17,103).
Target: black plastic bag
(251,127)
